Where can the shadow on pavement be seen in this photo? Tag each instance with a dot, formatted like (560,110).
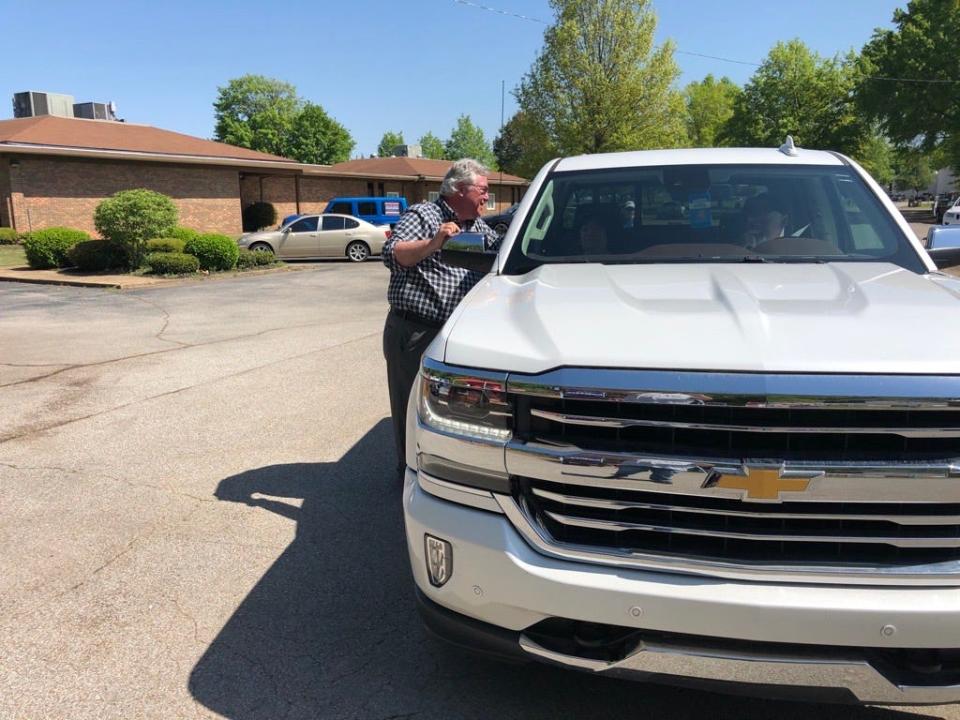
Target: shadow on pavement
(331,629)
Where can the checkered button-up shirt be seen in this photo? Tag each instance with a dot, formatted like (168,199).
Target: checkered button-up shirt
(430,289)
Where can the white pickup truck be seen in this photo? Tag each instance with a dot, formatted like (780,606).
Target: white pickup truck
(700,424)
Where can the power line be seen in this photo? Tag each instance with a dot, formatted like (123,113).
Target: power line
(885,78)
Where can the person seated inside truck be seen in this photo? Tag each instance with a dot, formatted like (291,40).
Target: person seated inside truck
(764,218)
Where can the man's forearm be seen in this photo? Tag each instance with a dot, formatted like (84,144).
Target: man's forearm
(409,252)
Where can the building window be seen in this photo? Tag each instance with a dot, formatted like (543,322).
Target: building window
(492,201)
(432,196)
(380,188)
(370,189)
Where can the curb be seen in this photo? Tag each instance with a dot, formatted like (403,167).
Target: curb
(124,282)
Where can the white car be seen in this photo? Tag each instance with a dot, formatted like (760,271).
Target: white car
(312,237)
(952,214)
(720,446)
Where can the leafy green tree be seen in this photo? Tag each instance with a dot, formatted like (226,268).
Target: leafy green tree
(522,147)
(912,169)
(388,142)
(432,147)
(599,84)
(256,112)
(264,114)
(797,92)
(875,154)
(709,107)
(924,46)
(467,141)
(317,138)
(131,217)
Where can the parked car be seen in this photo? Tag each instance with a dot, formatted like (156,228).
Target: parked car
(310,237)
(717,449)
(374,210)
(951,213)
(501,223)
(944,202)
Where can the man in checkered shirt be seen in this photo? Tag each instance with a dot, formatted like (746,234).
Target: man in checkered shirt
(423,290)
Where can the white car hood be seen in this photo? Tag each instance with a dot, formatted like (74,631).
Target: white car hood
(838,317)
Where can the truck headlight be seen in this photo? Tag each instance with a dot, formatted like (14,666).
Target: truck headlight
(462,404)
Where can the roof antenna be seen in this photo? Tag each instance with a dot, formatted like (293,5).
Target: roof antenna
(788,148)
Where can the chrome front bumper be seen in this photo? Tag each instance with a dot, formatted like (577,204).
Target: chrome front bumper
(772,674)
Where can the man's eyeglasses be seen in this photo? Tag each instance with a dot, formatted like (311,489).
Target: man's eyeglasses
(482,189)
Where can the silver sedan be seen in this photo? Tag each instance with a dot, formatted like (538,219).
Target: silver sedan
(310,237)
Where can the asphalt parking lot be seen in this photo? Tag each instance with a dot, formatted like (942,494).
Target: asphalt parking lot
(198,518)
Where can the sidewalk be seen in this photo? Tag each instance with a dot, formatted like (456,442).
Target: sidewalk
(120,281)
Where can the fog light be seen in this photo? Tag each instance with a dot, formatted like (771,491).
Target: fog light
(439,560)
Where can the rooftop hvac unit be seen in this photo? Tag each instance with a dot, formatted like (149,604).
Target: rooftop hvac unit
(31,104)
(411,151)
(94,111)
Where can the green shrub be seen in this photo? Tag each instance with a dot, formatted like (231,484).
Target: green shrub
(48,248)
(255,258)
(259,215)
(170,244)
(214,251)
(93,255)
(170,263)
(183,233)
(131,217)
(9,236)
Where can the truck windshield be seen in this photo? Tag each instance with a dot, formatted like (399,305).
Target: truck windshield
(719,213)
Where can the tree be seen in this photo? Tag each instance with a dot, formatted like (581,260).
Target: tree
(912,169)
(875,154)
(924,46)
(317,138)
(264,114)
(256,112)
(388,142)
(467,141)
(131,217)
(709,106)
(599,84)
(432,147)
(797,92)
(522,147)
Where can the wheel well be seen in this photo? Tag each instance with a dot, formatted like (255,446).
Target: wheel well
(356,242)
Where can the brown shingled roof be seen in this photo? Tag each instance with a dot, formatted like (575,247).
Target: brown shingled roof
(53,131)
(435,169)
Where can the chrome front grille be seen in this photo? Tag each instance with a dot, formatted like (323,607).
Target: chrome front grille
(635,468)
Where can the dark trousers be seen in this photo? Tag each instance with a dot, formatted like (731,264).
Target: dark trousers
(404,341)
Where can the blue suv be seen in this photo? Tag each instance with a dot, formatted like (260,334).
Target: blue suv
(375,210)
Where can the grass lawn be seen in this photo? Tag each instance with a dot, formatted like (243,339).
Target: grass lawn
(12,256)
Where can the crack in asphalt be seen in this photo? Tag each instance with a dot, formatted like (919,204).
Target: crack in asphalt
(137,356)
(52,426)
(166,319)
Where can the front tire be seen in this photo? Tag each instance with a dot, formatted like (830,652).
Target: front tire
(260,247)
(358,251)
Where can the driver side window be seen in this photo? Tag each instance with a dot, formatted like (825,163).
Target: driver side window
(307,224)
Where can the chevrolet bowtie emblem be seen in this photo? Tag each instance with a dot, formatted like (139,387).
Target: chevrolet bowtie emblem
(761,483)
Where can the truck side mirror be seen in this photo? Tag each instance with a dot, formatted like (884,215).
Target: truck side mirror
(943,245)
(468,251)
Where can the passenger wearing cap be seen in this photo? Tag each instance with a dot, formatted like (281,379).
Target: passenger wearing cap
(628,213)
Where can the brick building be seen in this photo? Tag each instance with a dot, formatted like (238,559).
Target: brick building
(55,170)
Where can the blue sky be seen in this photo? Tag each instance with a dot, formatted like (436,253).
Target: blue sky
(374,66)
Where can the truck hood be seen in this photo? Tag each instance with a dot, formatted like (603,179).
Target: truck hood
(833,317)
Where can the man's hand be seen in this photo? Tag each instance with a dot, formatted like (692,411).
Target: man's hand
(410,252)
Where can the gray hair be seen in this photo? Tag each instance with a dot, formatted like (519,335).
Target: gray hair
(462,171)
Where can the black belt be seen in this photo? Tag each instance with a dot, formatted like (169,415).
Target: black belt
(413,317)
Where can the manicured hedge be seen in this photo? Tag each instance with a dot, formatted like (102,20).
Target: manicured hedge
(183,233)
(214,251)
(169,263)
(93,255)
(131,217)
(259,215)
(248,259)
(48,248)
(9,236)
(168,245)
